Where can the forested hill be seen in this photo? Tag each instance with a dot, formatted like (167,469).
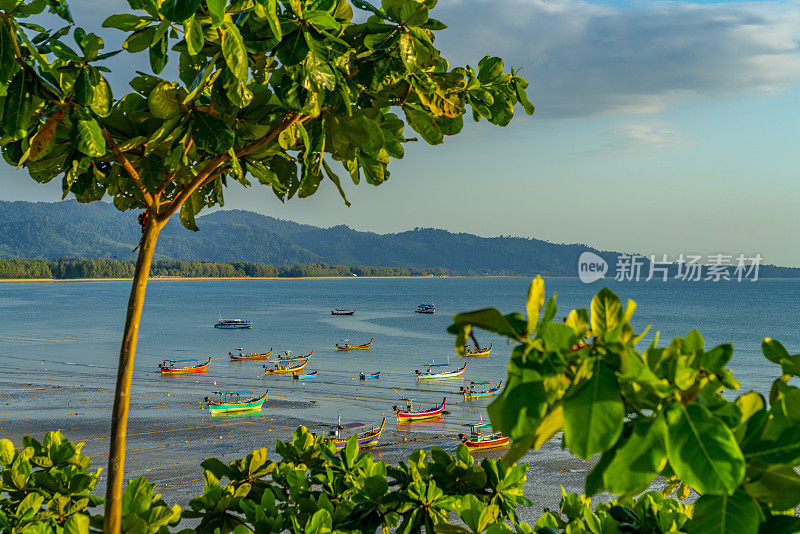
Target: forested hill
(69,229)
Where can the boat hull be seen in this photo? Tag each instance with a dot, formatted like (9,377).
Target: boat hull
(453,374)
(286,370)
(334,312)
(484,352)
(186,370)
(477,445)
(365,346)
(306,376)
(233,326)
(264,356)
(233,407)
(433,413)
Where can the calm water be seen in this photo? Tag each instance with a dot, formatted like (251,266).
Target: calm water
(68,334)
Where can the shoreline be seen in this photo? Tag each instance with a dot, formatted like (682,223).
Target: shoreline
(219,278)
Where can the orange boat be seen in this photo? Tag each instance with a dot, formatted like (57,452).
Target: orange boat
(347,346)
(252,356)
(282,369)
(168,367)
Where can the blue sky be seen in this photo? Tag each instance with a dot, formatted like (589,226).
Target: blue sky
(661,127)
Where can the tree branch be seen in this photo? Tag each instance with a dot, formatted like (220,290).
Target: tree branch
(148,198)
(213,164)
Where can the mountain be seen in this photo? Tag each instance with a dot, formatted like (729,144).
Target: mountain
(62,229)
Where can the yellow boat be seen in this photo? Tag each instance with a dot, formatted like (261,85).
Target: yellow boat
(284,369)
(479,352)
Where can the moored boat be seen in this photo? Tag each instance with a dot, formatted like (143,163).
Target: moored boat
(251,356)
(167,367)
(407,413)
(347,346)
(233,323)
(481,437)
(338,311)
(426,308)
(364,376)
(479,351)
(447,374)
(281,368)
(312,374)
(229,402)
(470,393)
(365,438)
(287,356)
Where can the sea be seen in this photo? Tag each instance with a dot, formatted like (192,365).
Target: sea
(65,336)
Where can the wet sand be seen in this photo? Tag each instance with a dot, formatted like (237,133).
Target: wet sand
(169,434)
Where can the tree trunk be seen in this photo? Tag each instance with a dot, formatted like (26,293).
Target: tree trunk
(119,416)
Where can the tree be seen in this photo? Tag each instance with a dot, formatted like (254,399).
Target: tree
(271,91)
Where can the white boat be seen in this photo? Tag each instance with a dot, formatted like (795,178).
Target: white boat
(446,374)
(233,323)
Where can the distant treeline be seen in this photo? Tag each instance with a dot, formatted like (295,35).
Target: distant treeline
(70,268)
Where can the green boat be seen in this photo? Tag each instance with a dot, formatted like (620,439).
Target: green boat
(229,402)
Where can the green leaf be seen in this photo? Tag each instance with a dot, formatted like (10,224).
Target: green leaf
(293,49)
(18,108)
(84,89)
(534,303)
(606,312)
(7,62)
(335,179)
(489,68)
(179,10)
(593,414)
(423,124)
(776,485)
(216,8)
(7,452)
(319,523)
(489,319)
(193,31)
(103,99)
(211,134)
(126,22)
(637,462)
(165,101)
(87,137)
(702,450)
(76,524)
(233,51)
(138,496)
(62,51)
(187,214)
(773,350)
(139,40)
(725,514)
(271,7)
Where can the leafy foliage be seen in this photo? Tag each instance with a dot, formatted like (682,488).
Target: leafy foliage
(660,412)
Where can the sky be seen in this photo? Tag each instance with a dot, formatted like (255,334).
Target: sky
(661,127)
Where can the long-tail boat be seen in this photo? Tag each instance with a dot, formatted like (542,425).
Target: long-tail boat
(281,369)
(365,438)
(229,402)
(479,438)
(479,351)
(338,311)
(298,376)
(348,346)
(470,393)
(287,356)
(426,308)
(407,413)
(233,323)
(168,367)
(447,374)
(364,376)
(251,356)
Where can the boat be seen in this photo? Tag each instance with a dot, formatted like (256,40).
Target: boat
(479,351)
(282,369)
(481,437)
(426,308)
(312,374)
(364,376)
(168,367)
(287,356)
(407,413)
(229,402)
(470,393)
(347,346)
(338,311)
(251,356)
(433,363)
(365,438)
(233,323)
(447,374)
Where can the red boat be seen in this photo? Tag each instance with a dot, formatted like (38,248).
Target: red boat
(407,413)
(481,437)
(168,367)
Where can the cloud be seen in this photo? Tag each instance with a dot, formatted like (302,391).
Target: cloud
(586,59)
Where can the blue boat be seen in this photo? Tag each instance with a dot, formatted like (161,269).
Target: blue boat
(364,376)
(233,323)
(312,374)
